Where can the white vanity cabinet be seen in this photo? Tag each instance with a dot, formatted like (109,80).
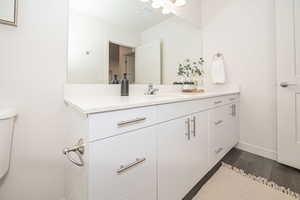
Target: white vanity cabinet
(174,148)
(182,155)
(200,140)
(155,152)
(123,167)
(223,130)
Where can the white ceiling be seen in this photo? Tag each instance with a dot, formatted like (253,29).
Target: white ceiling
(132,15)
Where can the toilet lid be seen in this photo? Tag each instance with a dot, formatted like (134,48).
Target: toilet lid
(7,113)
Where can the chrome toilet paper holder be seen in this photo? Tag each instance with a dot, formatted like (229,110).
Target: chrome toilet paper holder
(79,150)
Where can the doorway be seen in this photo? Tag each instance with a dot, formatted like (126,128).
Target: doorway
(121,61)
(288,76)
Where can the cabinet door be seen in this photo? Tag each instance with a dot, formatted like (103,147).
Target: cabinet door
(200,146)
(233,125)
(231,132)
(124,167)
(174,147)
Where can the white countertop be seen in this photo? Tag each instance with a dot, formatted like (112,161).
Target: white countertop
(97,104)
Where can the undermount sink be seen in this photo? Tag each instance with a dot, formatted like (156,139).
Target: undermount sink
(172,95)
(167,95)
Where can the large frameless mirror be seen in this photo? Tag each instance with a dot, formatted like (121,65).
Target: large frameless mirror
(109,38)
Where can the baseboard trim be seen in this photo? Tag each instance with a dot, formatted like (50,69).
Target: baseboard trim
(266,153)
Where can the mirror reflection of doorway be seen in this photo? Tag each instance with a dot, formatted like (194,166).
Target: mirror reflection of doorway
(121,61)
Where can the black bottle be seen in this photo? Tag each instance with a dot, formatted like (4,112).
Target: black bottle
(125,86)
(115,80)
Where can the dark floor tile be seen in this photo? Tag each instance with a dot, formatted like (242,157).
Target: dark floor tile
(232,157)
(259,166)
(286,176)
(202,182)
(250,163)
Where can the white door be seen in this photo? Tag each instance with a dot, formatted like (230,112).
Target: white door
(148,63)
(174,147)
(288,76)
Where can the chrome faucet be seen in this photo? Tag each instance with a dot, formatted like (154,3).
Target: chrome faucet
(151,90)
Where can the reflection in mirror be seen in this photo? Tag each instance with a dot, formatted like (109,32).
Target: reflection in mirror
(121,61)
(8,12)
(108,38)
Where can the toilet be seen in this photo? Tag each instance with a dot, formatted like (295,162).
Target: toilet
(7,120)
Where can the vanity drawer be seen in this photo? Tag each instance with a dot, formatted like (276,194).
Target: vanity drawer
(232,98)
(223,131)
(108,124)
(223,100)
(123,167)
(175,110)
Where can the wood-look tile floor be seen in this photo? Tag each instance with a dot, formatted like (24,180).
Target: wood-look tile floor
(266,168)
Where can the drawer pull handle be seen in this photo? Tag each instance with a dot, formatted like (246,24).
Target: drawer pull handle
(218,102)
(219,150)
(233,110)
(231,99)
(188,128)
(194,126)
(131,122)
(125,168)
(219,122)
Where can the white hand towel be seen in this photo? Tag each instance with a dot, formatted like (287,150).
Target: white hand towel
(218,71)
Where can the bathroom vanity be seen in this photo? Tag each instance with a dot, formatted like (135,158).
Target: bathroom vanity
(148,147)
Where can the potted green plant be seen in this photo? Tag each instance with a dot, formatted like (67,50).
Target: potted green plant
(190,71)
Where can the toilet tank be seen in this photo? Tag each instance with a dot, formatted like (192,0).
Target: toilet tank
(7,120)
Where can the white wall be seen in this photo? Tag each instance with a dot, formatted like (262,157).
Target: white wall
(244,31)
(32,73)
(92,34)
(180,40)
(33,69)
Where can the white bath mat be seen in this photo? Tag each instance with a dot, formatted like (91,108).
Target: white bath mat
(230,183)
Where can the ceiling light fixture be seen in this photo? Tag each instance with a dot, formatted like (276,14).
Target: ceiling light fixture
(156,4)
(168,6)
(180,3)
(166,11)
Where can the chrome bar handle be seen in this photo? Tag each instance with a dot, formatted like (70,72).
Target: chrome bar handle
(78,149)
(218,102)
(194,126)
(125,168)
(219,122)
(131,122)
(233,107)
(188,128)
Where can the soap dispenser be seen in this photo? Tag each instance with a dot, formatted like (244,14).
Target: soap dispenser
(125,86)
(115,80)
